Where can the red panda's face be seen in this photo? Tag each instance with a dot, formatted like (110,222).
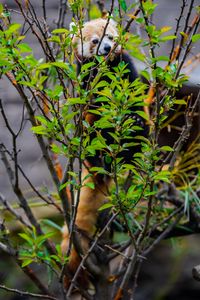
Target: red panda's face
(90,42)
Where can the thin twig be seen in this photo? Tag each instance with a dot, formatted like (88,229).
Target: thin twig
(185,132)
(13,211)
(83,261)
(22,293)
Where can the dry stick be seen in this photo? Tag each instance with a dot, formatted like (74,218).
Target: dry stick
(154,66)
(182,137)
(13,212)
(18,192)
(123,247)
(50,202)
(144,254)
(127,275)
(89,252)
(83,293)
(134,255)
(7,249)
(188,45)
(61,14)
(38,24)
(13,176)
(136,274)
(185,132)
(29,272)
(44,9)
(142,232)
(107,23)
(43,43)
(117,252)
(129,22)
(165,232)
(22,200)
(177,29)
(122,267)
(22,293)
(185,28)
(163,221)
(14,180)
(194,216)
(31,27)
(42,144)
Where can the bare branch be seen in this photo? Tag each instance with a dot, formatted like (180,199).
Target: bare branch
(13,211)
(22,293)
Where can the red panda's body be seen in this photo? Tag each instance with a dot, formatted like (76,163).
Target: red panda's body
(86,47)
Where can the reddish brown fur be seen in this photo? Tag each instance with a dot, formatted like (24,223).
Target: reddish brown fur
(90,201)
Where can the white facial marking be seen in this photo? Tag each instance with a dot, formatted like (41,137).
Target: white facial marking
(88,48)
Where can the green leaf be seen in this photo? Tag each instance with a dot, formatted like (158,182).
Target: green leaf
(26,83)
(114,136)
(98,170)
(105,206)
(142,114)
(87,66)
(44,66)
(60,30)
(55,148)
(61,65)
(39,130)
(1,8)
(42,119)
(25,47)
(62,186)
(13,28)
(130,191)
(166,148)
(163,175)
(180,102)
(26,262)
(149,6)
(78,100)
(52,224)
(146,75)
(90,185)
(41,239)
(168,38)
(6,14)
(123,5)
(195,37)
(26,238)
(161,58)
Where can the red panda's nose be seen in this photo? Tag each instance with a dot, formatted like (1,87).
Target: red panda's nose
(107,48)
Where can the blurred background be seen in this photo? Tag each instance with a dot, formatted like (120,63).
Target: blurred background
(167,272)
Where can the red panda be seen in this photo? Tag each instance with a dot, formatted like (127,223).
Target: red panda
(97,37)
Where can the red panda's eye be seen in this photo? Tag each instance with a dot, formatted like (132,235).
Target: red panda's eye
(110,37)
(95,41)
